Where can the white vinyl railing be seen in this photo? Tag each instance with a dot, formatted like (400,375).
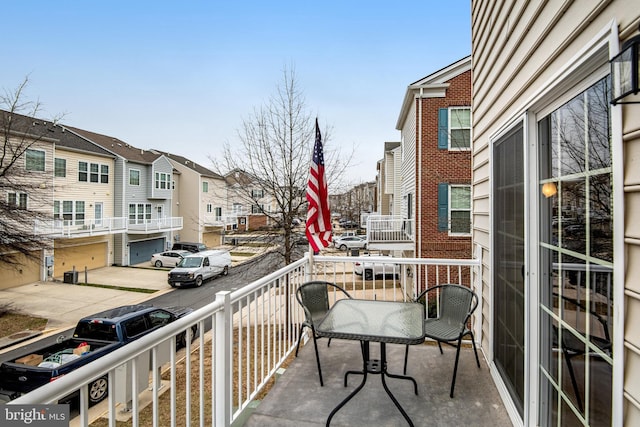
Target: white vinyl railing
(156,224)
(389,228)
(85,227)
(252,331)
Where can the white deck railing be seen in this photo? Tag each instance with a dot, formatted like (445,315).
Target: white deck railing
(253,331)
(79,228)
(156,225)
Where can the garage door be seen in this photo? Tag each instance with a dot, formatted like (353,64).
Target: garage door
(93,255)
(27,271)
(212,239)
(142,251)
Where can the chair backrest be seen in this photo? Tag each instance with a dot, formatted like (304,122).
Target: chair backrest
(314,298)
(457,303)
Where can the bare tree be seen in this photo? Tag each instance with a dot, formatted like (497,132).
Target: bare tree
(26,196)
(275,148)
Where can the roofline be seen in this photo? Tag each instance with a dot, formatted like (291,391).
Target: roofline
(434,84)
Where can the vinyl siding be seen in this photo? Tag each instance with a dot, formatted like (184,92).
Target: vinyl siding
(518,49)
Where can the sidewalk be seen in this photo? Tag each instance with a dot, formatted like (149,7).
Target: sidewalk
(63,304)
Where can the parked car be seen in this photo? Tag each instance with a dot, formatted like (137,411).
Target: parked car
(94,336)
(377,268)
(168,258)
(196,268)
(350,242)
(189,246)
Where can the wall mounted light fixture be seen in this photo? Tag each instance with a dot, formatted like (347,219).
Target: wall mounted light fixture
(625,70)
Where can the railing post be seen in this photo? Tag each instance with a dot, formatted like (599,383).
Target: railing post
(222,337)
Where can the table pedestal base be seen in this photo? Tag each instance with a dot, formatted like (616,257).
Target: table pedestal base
(374,366)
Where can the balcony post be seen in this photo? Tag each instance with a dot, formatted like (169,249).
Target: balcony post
(223,373)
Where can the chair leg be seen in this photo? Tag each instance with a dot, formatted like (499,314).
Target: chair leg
(406,356)
(315,346)
(299,339)
(440,346)
(573,379)
(473,343)
(329,342)
(455,368)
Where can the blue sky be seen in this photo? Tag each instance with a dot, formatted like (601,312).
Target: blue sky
(181,75)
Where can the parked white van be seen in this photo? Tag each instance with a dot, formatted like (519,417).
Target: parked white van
(195,269)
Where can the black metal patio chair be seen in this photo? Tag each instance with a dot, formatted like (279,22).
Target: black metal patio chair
(457,303)
(572,346)
(314,299)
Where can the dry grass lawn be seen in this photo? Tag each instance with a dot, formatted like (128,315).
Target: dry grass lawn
(164,406)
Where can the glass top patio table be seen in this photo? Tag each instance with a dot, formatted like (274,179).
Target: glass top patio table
(379,321)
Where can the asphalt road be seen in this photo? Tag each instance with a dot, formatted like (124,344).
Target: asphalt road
(193,297)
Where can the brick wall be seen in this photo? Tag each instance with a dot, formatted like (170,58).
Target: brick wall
(441,166)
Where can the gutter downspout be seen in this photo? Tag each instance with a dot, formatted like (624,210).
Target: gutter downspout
(418,212)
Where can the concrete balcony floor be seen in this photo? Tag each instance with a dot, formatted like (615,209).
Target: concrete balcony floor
(298,400)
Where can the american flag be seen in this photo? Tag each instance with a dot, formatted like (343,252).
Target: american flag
(318,214)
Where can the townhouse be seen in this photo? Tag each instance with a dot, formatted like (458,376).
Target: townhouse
(555,186)
(143,194)
(69,182)
(200,198)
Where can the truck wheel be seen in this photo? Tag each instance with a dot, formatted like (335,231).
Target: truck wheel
(98,390)
(368,275)
(158,263)
(225,272)
(181,341)
(199,281)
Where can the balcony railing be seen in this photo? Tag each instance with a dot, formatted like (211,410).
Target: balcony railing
(390,232)
(155,225)
(59,228)
(253,330)
(219,221)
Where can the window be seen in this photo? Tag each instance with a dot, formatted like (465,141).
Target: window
(18,200)
(205,187)
(104,174)
(460,210)
(577,260)
(73,211)
(162,180)
(60,168)
(257,194)
(257,209)
(135,326)
(134,177)
(139,213)
(218,212)
(35,160)
(454,209)
(83,169)
(454,128)
(93,172)
(209,208)
(79,213)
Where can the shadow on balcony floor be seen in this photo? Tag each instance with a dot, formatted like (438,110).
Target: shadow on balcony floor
(298,400)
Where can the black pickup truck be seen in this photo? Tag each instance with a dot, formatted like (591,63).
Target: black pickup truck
(93,337)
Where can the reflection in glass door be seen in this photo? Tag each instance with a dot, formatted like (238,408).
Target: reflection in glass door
(576,261)
(508,263)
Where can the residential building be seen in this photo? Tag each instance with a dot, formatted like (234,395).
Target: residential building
(70,181)
(143,194)
(386,178)
(434,171)
(247,201)
(555,183)
(200,198)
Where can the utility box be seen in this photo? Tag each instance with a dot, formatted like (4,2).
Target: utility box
(71,277)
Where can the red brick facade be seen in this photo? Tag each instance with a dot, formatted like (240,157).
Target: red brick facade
(441,166)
